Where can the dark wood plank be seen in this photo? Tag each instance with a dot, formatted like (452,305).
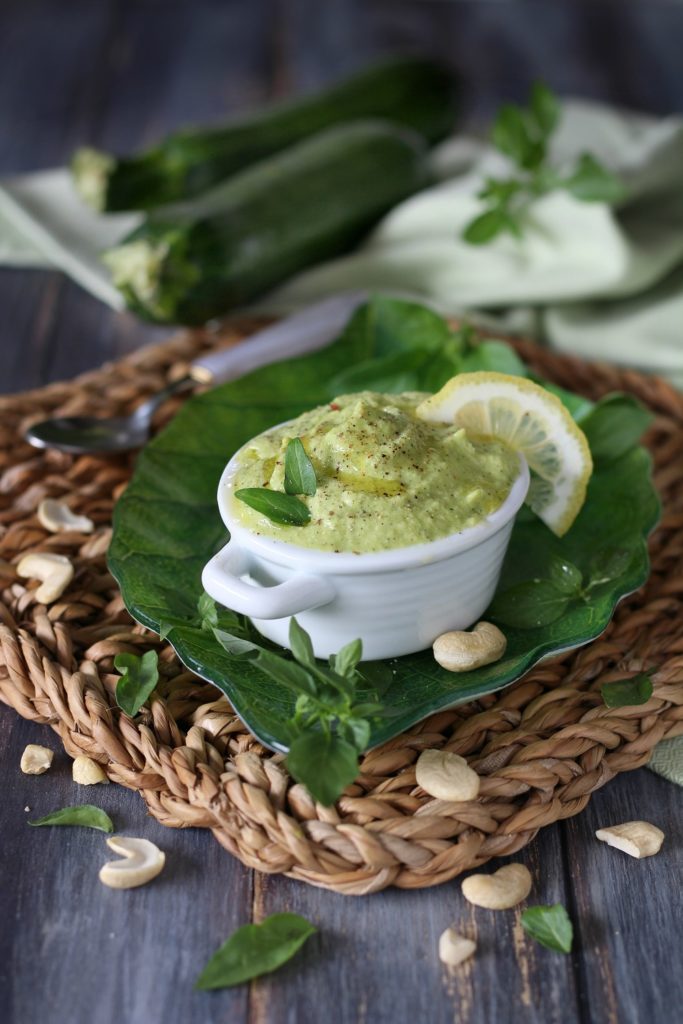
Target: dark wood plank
(376,957)
(72,950)
(628,911)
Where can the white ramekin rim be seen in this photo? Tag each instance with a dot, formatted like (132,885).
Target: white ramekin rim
(345,562)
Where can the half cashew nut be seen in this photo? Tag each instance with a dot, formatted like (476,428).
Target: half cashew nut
(55,516)
(502,890)
(461,651)
(87,772)
(636,838)
(454,948)
(142,861)
(36,760)
(446,776)
(55,572)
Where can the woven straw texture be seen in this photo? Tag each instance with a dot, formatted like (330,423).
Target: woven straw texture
(541,747)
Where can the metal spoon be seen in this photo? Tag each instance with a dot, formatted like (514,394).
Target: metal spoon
(304,332)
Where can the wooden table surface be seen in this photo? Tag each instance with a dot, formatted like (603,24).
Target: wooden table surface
(118,74)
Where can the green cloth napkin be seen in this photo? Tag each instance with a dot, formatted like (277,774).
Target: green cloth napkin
(584,279)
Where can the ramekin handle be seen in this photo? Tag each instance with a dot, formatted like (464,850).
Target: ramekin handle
(221,580)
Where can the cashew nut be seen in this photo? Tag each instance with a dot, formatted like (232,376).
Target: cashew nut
(55,516)
(460,651)
(142,861)
(636,838)
(87,772)
(55,572)
(454,948)
(446,776)
(502,890)
(35,760)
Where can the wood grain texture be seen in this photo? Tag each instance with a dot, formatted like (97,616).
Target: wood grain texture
(118,73)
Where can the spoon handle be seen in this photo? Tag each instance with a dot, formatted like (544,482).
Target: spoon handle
(311,329)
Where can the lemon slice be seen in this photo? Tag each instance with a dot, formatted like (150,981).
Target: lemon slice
(532,421)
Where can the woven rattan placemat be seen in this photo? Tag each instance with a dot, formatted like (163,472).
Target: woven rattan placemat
(542,746)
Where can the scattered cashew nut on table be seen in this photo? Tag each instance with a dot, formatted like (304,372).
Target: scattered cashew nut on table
(142,861)
(502,890)
(54,571)
(636,838)
(454,948)
(56,517)
(87,772)
(446,776)
(36,759)
(460,651)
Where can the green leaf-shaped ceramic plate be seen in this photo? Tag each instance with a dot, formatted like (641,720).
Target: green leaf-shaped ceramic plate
(166,525)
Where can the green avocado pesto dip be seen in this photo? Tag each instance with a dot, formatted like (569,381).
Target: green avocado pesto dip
(385,478)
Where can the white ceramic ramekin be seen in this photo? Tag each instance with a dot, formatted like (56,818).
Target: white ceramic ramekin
(396,601)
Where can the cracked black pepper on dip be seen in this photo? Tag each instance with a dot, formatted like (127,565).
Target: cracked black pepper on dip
(385,478)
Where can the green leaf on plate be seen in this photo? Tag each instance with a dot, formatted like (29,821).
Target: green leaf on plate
(139,676)
(86,815)
(626,693)
(550,926)
(167,526)
(299,472)
(529,605)
(309,751)
(255,949)
(493,356)
(564,576)
(280,508)
(615,426)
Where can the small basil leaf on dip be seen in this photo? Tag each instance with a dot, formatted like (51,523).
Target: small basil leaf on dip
(279,508)
(550,926)
(139,676)
(299,471)
(626,693)
(255,949)
(86,815)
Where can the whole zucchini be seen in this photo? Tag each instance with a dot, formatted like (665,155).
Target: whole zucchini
(313,201)
(410,91)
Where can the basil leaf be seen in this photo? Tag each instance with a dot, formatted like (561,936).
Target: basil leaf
(255,949)
(237,646)
(357,732)
(529,605)
(207,611)
(324,762)
(299,472)
(564,576)
(288,673)
(300,643)
(615,425)
(608,565)
(545,108)
(550,926)
(139,677)
(377,674)
(497,356)
(390,374)
(627,693)
(345,660)
(86,815)
(279,508)
(511,135)
(593,183)
(486,226)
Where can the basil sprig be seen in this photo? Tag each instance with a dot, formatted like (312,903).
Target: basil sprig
(139,677)
(626,693)
(336,705)
(550,926)
(279,508)
(299,471)
(256,949)
(523,135)
(86,815)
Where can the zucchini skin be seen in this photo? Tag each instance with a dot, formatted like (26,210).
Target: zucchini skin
(311,202)
(410,91)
